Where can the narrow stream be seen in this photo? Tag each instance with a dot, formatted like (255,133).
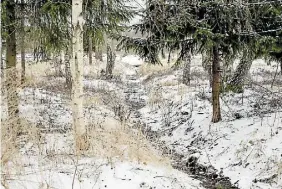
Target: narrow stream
(135,93)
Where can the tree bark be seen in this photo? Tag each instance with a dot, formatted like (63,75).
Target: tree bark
(187,68)
(22,44)
(11,71)
(238,79)
(206,63)
(98,54)
(216,117)
(209,68)
(90,50)
(77,76)
(62,61)
(110,61)
(68,73)
(58,65)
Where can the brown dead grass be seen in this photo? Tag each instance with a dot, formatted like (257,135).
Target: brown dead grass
(151,69)
(123,144)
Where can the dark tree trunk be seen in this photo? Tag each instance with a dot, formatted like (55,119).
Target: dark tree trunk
(11,53)
(209,68)
(2,61)
(110,62)
(98,54)
(22,45)
(216,117)
(68,73)
(238,79)
(187,68)
(207,64)
(90,50)
(58,65)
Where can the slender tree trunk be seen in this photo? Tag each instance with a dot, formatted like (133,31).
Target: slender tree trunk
(281,67)
(22,44)
(11,53)
(90,50)
(206,63)
(238,79)
(227,72)
(216,117)
(58,65)
(110,61)
(68,73)
(77,76)
(2,61)
(3,93)
(209,68)
(98,54)
(62,61)
(187,68)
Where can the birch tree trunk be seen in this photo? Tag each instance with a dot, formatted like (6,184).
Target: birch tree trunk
(187,68)
(22,44)
(90,50)
(77,76)
(11,71)
(216,117)
(238,79)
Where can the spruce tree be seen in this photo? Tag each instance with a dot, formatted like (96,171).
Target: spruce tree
(219,29)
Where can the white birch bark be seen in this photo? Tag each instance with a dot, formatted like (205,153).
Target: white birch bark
(77,75)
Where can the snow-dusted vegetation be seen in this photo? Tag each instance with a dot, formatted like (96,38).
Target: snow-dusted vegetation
(149,94)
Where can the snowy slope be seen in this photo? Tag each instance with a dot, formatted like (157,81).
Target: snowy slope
(48,160)
(245,146)
(97,175)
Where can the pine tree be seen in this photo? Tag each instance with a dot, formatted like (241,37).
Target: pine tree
(104,18)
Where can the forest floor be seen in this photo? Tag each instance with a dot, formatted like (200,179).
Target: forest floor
(147,130)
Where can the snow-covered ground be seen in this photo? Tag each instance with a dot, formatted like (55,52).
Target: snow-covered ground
(97,175)
(245,146)
(45,157)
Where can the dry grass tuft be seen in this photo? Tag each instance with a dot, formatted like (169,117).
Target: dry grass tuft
(155,97)
(14,137)
(150,69)
(40,69)
(95,99)
(169,83)
(123,144)
(112,139)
